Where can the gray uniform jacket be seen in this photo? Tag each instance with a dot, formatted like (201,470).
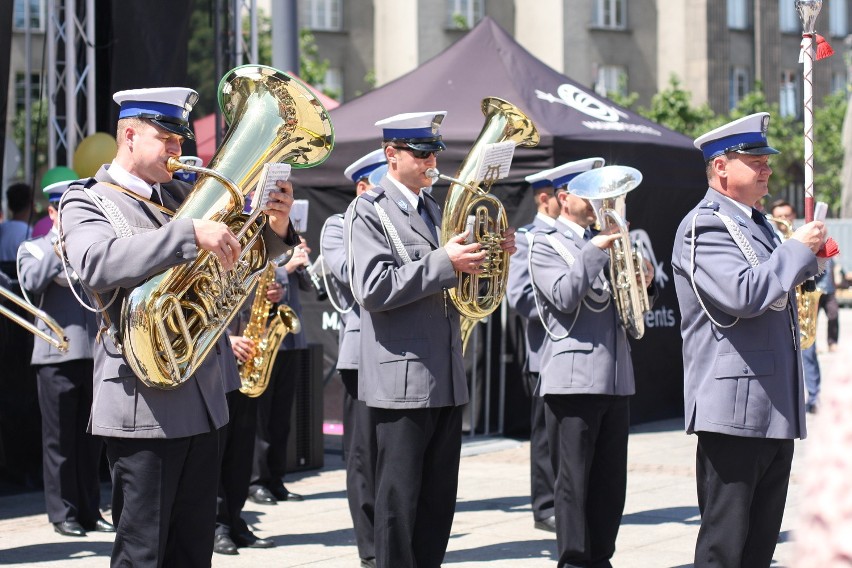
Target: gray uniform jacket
(743,379)
(122,405)
(40,273)
(411,353)
(334,254)
(589,353)
(519,293)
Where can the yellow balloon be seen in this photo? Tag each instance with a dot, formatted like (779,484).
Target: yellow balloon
(92,152)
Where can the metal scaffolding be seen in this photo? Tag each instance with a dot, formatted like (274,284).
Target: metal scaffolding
(70,77)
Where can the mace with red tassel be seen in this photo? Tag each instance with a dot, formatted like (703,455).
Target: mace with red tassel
(814,47)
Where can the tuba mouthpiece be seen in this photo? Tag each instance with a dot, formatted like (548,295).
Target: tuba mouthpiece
(433,173)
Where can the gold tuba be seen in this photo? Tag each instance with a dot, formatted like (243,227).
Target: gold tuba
(170,323)
(607,188)
(470,206)
(807,301)
(267,334)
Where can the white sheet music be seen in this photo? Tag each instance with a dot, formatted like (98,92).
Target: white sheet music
(495,161)
(270,174)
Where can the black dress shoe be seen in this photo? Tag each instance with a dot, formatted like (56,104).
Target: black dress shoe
(283,494)
(249,540)
(548,524)
(368,563)
(101,525)
(262,496)
(69,528)
(222,544)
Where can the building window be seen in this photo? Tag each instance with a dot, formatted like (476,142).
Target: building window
(464,14)
(738,85)
(738,14)
(611,79)
(788,96)
(36,14)
(324,15)
(21,90)
(788,17)
(610,14)
(838,18)
(332,83)
(838,82)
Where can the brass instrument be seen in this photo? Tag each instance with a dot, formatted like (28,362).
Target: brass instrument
(470,206)
(607,188)
(60,342)
(807,301)
(267,334)
(170,323)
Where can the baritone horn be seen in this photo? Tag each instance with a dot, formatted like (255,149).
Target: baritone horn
(470,206)
(607,189)
(171,322)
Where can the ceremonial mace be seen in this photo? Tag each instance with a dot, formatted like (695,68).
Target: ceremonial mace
(808,11)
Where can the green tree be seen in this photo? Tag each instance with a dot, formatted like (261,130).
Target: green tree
(828,150)
(38,133)
(673,109)
(312,68)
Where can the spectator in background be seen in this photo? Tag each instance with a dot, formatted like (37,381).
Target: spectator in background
(828,303)
(16,229)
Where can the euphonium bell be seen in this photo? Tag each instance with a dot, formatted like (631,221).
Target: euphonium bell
(170,323)
(606,188)
(470,206)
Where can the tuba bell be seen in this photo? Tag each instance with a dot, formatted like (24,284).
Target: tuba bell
(606,188)
(170,323)
(470,206)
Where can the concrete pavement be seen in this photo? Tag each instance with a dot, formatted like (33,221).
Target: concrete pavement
(493,524)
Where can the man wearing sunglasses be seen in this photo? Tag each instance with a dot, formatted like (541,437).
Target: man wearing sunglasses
(411,374)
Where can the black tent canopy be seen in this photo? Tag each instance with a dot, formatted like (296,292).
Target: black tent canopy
(574,123)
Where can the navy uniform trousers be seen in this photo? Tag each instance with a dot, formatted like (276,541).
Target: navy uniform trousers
(542,478)
(236,448)
(274,409)
(359,454)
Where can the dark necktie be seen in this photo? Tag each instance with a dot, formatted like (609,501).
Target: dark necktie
(763,223)
(155,196)
(424,214)
(587,234)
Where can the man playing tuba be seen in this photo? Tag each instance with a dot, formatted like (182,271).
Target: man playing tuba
(410,373)
(161,445)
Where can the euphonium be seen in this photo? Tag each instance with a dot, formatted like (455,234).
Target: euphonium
(267,334)
(170,323)
(807,301)
(607,188)
(470,206)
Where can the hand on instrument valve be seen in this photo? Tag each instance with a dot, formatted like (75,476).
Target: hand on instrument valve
(508,243)
(605,238)
(812,235)
(219,239)
(243,348)
(278,207)
(465,257)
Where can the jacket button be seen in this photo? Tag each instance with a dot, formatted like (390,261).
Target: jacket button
(179,254)
(745,370)
(402,353)
(417,254)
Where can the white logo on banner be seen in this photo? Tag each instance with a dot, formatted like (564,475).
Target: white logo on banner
(607,116)
(660,316)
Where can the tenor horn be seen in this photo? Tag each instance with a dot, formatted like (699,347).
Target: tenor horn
(470,206)
(607,189)
(170,323)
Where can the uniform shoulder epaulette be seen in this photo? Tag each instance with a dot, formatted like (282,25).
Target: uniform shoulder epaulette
(709,206)
(548,230)
(371,195)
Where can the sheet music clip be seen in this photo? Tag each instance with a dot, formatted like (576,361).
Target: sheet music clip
(269,176)
(494,162)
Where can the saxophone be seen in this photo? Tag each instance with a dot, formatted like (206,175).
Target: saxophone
(469,206)
(807,301)
(267,334)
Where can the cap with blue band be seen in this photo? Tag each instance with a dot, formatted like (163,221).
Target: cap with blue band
(746,135)
(363,166)
(167,107)
(415,130)
(559,176)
